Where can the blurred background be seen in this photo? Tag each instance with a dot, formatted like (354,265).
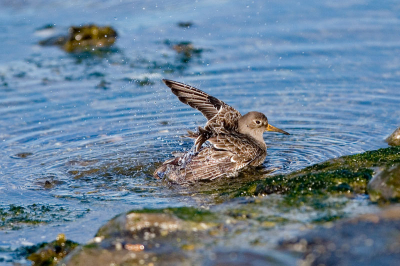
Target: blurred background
(82,129)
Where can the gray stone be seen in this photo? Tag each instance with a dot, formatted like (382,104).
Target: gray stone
(394,139)
(385,185)
(371,239)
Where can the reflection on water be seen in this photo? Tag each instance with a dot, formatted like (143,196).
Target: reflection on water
(85,131)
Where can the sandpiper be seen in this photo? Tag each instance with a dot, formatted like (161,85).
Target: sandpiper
(227,143)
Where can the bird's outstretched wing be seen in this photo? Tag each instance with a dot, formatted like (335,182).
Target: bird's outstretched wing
(221,117)
(208,105)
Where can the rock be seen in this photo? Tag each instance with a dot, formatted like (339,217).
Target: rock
(385,186)
(185,24)
(394,138)
(371,239)
(15,217)
(50,253)
(22,155)
(172,236)
(142,238)
(347,175)
(84,38)
(185,50)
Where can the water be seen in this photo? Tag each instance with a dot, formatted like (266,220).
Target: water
(325,72)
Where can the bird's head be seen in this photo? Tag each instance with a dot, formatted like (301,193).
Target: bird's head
(255,124)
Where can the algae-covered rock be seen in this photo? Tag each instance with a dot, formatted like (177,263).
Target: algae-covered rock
(15,217)
(171,236)
(371,239)
(386,184)
(394,138)
(347,175)
(48,254)
(185,50)
(84,38)
(144,237)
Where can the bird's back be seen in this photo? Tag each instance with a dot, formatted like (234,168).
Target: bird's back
(223,156)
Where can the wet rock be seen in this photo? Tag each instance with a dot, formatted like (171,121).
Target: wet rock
(385,186)
(185,50)
(48,182)
(82,162)
(371,239)
(103,85)
(48,254)
(247,257)
(172,236)
(22,155)
(15,217)
(84,38)
(347,175)
(185,24)
(145,237)
(394,138)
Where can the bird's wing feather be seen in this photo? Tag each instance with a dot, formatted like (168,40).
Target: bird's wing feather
(208,105)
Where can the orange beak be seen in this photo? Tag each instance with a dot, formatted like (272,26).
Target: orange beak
(275,129)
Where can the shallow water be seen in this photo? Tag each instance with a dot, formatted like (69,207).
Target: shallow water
(95,125)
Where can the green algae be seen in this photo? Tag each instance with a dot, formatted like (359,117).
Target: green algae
(368,159)
(385,186)
(193,214)
(48,254)
(347,175)
(184,213)
(84,38)
(15,217)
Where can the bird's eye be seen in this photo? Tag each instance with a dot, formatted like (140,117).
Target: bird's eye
(258,122)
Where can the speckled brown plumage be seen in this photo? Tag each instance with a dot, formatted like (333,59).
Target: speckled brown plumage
(227,143)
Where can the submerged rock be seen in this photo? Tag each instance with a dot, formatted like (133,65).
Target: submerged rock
(84,38)
(394,138)
(185,50)
(185,24)
(371,239)
(14,217)
(22,155)
(385,186)
(48,254)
